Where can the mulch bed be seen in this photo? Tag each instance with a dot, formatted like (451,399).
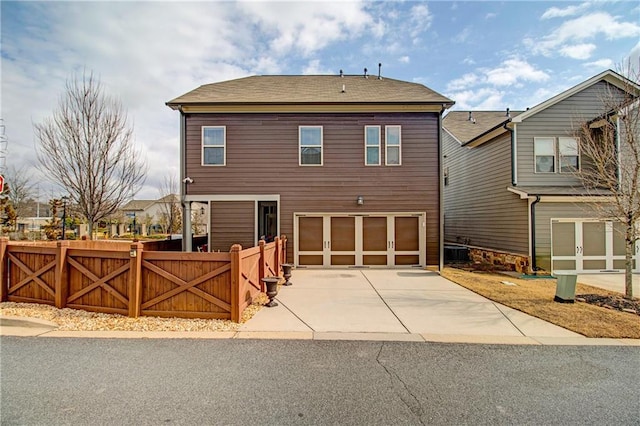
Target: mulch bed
(618,303)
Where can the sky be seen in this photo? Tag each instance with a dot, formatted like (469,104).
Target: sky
(485,55)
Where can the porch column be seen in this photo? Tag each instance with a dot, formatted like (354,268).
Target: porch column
(187,238)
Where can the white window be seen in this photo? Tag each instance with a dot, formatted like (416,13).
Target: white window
(310,145)
(393,141)
(569,158)
(372,145)
(214,141)
(544,149)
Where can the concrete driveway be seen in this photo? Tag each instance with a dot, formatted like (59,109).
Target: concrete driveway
(401,304)
(613,282)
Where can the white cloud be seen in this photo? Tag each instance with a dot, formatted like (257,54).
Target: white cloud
(490,15)
(404,59)
(514,70)
(310,26)
(462,36)
(314,68)
(583,28)
(556,12)
(599,64)
(578,51)
(468,61)
(487,98)
(467,80)
(421,19)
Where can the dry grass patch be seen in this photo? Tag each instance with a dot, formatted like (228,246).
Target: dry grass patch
(535,297)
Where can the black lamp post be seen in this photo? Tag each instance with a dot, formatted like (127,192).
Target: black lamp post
(64,215)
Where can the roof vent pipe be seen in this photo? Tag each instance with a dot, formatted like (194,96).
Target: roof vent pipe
(365,73)
(344,88)
(379,70)
(508,113)
(471,119)
(341,73)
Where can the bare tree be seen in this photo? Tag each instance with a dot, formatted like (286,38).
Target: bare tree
(86,147)
(20,190)
(170,212)
(610,150)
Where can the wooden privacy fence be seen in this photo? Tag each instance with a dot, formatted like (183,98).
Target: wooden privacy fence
(129,280)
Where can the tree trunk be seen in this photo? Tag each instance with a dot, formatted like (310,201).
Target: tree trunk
(630,242)
(90,229)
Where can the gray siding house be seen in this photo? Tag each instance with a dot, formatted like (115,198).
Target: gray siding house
(346,166)
(511,193)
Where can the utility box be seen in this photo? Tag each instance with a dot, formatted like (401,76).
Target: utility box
(566,288)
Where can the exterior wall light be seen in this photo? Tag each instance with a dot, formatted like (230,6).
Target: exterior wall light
(359,200)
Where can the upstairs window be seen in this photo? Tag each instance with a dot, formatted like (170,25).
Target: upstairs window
(214,141)
(393,141)
(545,155)
(372,145)
(310,145)
(569,158)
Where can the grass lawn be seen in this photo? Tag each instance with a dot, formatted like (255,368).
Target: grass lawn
(535,297)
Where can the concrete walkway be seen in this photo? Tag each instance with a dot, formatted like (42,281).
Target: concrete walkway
(354,304)
(613,282)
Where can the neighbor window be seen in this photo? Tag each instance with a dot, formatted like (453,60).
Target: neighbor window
(372,145)
(393,141)
(310,145)
(545,155)
(214,141)
(569,159)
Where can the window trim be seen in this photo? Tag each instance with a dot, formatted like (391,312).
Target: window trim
(366,146)
(300,145)
(555,155)
(203,146)
(560,156)
(386,145)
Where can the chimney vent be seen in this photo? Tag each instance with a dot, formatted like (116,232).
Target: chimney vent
(341,73)
(508,113)
(365,73)
(379,70)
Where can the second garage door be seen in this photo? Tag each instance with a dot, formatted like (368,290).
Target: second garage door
(360,240)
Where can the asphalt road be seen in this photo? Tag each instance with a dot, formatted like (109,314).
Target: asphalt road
(247,382)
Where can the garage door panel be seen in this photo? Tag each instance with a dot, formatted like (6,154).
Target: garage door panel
(594,239)
(343,234)
(343,259)
(374,234)
(311,259)
(374,259)
(407,234)
(564,238)
(311,237)
(407,259)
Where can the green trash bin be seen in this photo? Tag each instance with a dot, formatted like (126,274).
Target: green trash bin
(566,288)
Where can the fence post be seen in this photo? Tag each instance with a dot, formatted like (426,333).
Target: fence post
(284,248)
(135,279)
(261,264)
(276,255)
(235,282)
(4,274)
(61,284)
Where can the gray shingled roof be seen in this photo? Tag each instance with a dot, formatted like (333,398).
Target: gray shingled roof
(300,89)
(458,124)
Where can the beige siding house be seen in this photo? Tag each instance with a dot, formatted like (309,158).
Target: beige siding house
(511,193)
(346,166)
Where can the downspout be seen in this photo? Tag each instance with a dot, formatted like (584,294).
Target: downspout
(534,268)
(441,194)
(183,187)
(514,156)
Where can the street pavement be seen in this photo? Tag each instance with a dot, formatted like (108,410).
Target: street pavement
(312,382)
(374,304)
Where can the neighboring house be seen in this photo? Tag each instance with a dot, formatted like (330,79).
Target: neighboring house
(347,167)
(151,216)
(511,193)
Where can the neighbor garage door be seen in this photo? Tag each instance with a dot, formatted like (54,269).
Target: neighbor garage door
(587,246)
(362,240)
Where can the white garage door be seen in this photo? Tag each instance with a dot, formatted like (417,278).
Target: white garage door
(359,240)
(587,246)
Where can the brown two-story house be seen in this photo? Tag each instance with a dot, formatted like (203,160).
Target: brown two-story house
(346,166)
